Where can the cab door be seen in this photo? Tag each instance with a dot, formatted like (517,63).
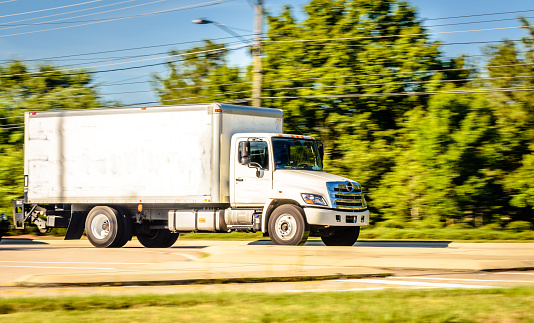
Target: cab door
(252,182)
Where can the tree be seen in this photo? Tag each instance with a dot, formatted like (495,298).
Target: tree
(23,89)
(515,115)
(342,75)
(201,74)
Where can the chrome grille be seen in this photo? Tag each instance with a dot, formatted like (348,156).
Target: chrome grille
(346,196)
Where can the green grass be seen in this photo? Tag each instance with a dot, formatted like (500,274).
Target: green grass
(445,234)
(495,305)
(382,233)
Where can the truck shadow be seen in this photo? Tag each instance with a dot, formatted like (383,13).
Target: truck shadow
(376,244)
(9,241)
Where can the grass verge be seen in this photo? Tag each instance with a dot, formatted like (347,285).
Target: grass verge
(494,305)
(378,233)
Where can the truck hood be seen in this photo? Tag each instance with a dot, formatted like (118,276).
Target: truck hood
(306,178)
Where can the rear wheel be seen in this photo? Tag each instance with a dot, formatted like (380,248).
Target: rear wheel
(105,227)
(128,224)
(157,238)
(288,226)
(346,236)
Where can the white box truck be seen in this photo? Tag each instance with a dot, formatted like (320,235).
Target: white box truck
(153,172)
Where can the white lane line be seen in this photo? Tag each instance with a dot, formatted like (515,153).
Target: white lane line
(188,257)
(76,262)
(412,283)
(466,279)
(49,267)
(513,273)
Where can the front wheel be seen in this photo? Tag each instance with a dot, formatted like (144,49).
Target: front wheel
(157,238)
(346,236)
(288,226)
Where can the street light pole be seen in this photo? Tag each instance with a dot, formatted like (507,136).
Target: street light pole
(257,73)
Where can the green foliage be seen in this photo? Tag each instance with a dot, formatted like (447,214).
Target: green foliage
(24,89)
(424,160)
(519,226)
(201,74)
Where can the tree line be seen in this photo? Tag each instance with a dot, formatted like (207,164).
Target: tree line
(433,140)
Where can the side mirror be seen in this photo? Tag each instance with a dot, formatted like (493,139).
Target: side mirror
(260,172)
(245,152)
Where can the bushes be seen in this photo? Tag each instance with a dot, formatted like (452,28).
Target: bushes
(519,226)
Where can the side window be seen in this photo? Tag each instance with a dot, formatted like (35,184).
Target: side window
(259,154)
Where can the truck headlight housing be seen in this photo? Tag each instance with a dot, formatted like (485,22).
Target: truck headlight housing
(313,199)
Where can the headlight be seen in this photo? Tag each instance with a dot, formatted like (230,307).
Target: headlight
(314,199)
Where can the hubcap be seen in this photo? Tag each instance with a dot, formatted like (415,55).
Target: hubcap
(286,226)
(100,226)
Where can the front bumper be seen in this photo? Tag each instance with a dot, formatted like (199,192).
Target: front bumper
(322,216)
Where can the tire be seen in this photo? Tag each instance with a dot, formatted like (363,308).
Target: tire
(288,226)
(128,225)
(346,236)
(105,227)
(158,238)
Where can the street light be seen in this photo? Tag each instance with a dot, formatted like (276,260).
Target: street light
(257,76)
(202,21)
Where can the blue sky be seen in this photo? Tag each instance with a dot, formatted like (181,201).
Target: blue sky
(166,29)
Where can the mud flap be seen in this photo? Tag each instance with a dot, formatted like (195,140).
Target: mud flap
(76,225)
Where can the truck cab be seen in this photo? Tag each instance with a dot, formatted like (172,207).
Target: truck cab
(271,170)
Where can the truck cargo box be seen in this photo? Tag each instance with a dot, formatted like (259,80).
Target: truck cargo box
(168,154)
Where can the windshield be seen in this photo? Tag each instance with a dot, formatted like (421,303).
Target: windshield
(293,153)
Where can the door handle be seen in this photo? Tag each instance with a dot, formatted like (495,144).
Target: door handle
(239,179)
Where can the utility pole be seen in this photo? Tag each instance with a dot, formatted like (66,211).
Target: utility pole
(257,73)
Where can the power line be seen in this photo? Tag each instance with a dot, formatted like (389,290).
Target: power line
(399,45)
(219,49)
(122,63)
(112,59)
(126,49)
(334,96)
(205,4)
(482,14)
(387,36)
(28,12)
(474,22)
(326,96)
(329,96)
(293,88)
(337,77)
(10,23)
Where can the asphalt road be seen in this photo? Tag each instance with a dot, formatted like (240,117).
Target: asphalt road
(408,265)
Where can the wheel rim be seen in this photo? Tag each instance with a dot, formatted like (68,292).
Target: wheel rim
(286,226)
(100,226)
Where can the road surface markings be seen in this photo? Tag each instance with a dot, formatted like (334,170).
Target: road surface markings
(188,257)
(511,273)
(466,279)
(50,267)
(76,262)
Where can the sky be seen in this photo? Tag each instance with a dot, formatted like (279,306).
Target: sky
(65,32)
